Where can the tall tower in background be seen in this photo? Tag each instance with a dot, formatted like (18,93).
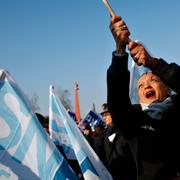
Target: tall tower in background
(76,102)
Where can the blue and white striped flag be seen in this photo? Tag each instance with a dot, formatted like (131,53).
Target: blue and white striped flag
(26,151)
(57,130)
(90,164)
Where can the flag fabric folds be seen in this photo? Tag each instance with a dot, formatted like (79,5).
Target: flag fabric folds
(90,164)
(57,130)
(136,72)
(26,151)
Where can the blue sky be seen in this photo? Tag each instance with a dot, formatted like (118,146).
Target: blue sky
(56,42)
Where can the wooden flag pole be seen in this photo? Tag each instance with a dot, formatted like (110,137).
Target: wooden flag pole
(112,13)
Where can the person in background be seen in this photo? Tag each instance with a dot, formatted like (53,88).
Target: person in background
(106,116)
(44,121)
(150,129)
(87,132)
(118,163)
(98,137)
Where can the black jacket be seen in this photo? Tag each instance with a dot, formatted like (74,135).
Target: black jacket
(156,152)
(119,157)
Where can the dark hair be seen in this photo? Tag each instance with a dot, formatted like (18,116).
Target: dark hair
(85,125)
(42,120)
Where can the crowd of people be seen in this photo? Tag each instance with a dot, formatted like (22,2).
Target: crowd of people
(139,141)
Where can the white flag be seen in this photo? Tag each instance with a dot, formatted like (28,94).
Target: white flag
(26,151)
(57,129)
(90,164)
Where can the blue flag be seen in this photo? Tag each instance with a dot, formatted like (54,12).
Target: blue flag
(90,164)
(26,151)
(93,118)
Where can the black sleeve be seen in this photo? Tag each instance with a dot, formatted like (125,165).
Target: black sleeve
(125,118)
(169,74)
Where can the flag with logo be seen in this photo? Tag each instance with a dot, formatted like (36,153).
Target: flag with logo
(90,164)
(26,151)
(93,118)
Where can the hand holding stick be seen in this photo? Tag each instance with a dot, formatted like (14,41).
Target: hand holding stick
(112,13)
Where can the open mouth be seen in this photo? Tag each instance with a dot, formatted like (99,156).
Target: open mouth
(150,94)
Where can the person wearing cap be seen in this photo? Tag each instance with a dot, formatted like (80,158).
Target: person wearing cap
(150,128)
(106,116)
